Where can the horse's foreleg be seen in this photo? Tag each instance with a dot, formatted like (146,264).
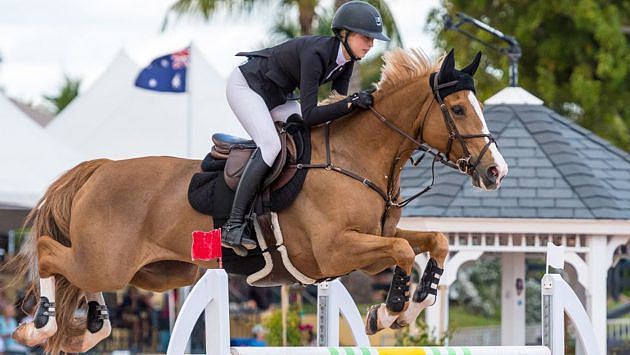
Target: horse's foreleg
(373,253)
(44,324)
(98,325)
(360,251)
(426,292)
(436,243)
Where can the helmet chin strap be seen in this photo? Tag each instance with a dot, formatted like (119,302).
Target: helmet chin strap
(344,41)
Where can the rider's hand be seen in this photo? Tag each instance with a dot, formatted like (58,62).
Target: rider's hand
(362,99)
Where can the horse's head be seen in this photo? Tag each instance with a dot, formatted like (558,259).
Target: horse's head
(456,125)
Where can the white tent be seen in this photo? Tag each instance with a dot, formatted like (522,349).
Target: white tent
(30,159)
(115,119)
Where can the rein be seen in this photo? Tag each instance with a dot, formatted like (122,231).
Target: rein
(390,196)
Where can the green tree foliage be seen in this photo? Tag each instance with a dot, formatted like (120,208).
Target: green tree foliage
(67,92)
(296,18)
(420,335)
(478,287)
(575,55)
(273,324)
(206,8)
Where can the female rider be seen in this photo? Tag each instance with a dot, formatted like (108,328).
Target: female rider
(257,93)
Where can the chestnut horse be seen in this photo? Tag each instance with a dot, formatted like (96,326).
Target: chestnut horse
(107,224)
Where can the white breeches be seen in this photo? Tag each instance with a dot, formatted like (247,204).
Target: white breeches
(251,111)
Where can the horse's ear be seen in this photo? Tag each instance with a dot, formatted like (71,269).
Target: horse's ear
(472,67)
(448,65)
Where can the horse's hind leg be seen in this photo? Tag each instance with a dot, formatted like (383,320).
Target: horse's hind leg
(426,292)
(44,324)
(98,325)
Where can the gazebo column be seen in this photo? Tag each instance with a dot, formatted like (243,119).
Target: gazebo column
(436,316)
(598,261)
(513,299)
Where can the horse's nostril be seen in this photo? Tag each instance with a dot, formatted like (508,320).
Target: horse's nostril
(493,172)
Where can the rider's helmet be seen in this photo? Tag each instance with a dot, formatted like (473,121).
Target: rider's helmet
(360,17)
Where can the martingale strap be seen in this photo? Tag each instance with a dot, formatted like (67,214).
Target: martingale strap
(463,165)
(332,167)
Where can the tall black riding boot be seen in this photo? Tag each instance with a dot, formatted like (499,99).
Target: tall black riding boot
(232,232)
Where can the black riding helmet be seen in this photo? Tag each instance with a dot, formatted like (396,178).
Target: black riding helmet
(360,17)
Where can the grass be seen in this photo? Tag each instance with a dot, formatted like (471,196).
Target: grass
(461,318)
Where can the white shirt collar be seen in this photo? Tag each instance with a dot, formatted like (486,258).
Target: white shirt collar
(341,60)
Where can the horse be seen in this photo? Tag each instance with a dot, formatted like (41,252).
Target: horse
(105,224)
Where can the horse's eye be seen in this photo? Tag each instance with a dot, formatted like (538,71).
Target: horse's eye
(458,110)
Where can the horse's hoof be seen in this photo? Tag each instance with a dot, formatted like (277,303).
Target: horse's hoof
(398,324)
(30,336)
(371,320)
(91,339)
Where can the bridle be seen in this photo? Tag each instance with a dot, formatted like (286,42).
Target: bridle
(463,165)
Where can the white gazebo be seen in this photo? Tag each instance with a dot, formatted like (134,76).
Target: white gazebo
(564,185)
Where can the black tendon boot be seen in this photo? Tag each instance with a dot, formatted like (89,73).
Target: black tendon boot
(232,233)
(398,293)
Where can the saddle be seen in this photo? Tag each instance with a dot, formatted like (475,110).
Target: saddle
(236,152)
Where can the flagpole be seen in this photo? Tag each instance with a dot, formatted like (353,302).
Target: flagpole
(189,99)
(189,127)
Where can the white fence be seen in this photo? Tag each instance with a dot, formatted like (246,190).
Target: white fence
(486,336)
(618,331)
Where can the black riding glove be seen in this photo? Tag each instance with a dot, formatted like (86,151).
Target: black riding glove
(362,99)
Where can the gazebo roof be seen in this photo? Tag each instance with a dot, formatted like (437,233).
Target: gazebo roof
(557,169)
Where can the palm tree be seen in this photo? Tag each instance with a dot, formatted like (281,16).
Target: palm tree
(205,8)
(67,92)
(307,14)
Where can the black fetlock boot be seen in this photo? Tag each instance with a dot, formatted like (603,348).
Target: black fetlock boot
(232,233)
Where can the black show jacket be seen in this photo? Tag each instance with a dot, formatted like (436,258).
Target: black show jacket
(305,63)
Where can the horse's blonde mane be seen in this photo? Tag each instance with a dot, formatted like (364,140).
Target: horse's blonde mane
(399,67)
(402,65)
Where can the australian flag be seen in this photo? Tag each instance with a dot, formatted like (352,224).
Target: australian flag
(166,73)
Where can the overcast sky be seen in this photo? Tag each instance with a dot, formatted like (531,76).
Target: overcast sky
(40,40)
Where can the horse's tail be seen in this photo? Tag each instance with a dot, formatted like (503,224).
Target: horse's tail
(51,217)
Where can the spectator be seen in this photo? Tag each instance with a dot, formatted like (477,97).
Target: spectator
(135,315)
(258,333)
(161,319)
(259,297)
(8,324)
(3,295)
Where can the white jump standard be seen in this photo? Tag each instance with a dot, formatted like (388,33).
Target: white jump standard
(211,294)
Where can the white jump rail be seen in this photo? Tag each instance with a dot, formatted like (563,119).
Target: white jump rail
(211,294)
(411,350)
